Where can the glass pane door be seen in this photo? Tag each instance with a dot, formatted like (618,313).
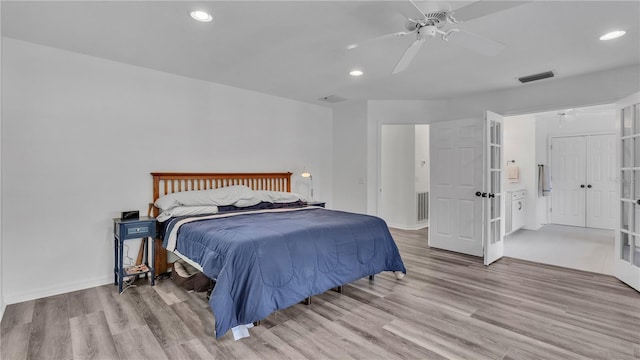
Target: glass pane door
(627,243)
(629,118)
(494,205)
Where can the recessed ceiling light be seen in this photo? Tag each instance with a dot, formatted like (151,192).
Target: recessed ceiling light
(356,73)
(201,16)
(613,35)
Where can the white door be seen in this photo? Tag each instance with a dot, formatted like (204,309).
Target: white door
(467,202)
(568,169)
(583,177)
(627,243)
(601,182)
(494,203)
(456,149)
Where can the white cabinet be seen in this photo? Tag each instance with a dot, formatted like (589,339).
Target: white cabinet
(516,210)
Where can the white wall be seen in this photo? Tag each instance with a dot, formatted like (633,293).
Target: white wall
(397,185)
(520,145)
(350,157)
(81,135)
(584,120)
(422,154)
(542,203)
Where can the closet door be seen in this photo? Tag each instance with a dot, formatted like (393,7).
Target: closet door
(601,185)
(568,169)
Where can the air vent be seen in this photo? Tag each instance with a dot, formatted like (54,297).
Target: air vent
(332,99)
(536,77)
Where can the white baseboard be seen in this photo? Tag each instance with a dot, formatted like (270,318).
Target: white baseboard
(3,306)
(56,290)
(409,227)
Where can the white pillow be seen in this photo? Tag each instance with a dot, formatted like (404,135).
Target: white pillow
(220,197)
(281,196)
(269,196)
(186,210)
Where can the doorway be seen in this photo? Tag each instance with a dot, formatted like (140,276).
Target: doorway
(403,197)
(565,144)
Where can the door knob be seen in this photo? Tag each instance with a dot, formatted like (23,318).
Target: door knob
(582,186)
(478,193)
(638,201)
(589,186)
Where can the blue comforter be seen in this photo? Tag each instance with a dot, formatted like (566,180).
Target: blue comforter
(269,261)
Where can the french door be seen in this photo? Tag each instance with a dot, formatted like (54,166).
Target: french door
(494,204)
(467,202)
(627,239)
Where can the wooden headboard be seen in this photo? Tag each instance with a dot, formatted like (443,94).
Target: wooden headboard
(167,183)
(170,182)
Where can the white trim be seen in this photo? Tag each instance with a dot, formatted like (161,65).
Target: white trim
(58,289)
(409,227)
(3,306)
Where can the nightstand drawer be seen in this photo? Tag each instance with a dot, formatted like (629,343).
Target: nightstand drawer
(134,229)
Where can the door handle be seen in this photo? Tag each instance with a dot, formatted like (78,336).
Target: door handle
(589,186)
(582,186)
(492,195)
(481,194)
(638,201)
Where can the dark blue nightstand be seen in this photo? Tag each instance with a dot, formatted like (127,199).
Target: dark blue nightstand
(144,228)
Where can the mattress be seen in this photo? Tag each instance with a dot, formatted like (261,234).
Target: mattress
(267,260)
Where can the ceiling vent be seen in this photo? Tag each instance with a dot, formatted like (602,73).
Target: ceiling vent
(332,99)
(536,77)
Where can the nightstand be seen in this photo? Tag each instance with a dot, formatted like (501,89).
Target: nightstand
(143,228)
(316,203)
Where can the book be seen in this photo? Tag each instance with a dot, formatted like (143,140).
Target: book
(136,269)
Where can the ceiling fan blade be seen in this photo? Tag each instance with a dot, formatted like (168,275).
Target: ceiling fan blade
(408,56)
(483,8)
(417,8)
(476,43)
(383,37)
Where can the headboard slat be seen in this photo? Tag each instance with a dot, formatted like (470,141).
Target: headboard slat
(172,182)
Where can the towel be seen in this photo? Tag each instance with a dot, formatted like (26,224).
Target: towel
(544,181)
(513,173)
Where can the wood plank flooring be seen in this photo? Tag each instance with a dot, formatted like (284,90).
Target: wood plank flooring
(449,306)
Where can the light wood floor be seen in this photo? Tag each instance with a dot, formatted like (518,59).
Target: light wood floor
(449,306)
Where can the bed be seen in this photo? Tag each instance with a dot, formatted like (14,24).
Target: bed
(266,259)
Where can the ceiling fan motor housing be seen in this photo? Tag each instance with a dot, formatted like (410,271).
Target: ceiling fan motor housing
(434,18)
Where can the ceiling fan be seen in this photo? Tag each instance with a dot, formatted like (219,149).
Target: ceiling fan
(434,23)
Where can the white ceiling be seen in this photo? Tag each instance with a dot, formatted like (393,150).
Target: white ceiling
(296,49)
